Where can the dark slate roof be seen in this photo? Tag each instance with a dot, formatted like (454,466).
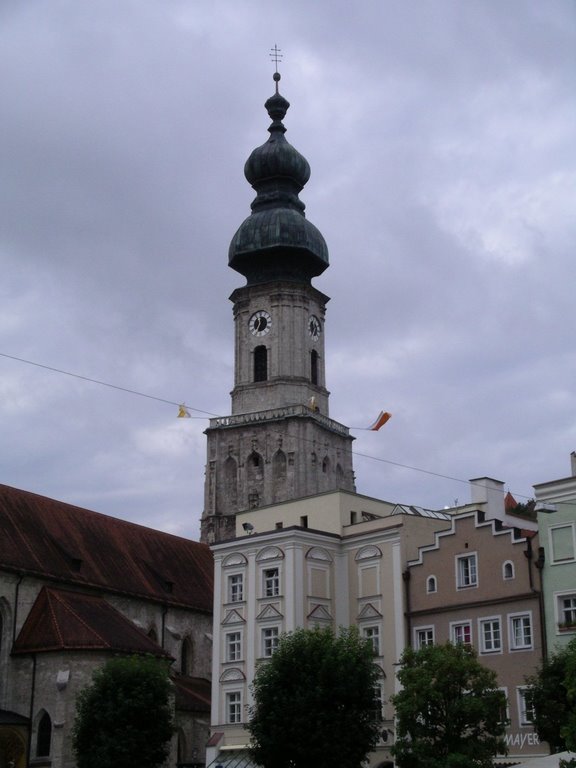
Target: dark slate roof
(12,718)
(71,545)
(192,693)
(73,621)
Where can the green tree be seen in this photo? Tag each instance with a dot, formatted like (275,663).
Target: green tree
(315,701)
(551,697)
(449,713)
(124,718)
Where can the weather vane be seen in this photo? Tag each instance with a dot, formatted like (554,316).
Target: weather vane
(276,56)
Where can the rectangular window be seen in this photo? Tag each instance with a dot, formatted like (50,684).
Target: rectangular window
(271,585)
(525,711)
(520,632)
(567,612)
(378,703)
(234,707)
(235,588)
(423,636)
(466,571)
(491,636)
(269,641)
(233,646)
(373,634)
(562,543)
(462,633)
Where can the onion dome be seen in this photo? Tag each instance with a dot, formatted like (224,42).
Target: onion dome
(277,241)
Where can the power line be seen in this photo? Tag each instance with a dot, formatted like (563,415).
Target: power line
(209,413)
(105,384)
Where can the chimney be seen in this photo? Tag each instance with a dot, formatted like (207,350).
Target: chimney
(489,493)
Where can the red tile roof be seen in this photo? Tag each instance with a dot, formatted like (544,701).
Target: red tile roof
(63,620)
(71,545)
(192,693)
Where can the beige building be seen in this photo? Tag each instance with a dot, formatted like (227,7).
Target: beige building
(479,583)
(335,559)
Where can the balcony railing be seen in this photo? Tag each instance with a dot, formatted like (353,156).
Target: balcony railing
(275,414)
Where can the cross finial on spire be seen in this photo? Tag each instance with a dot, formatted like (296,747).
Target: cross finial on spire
(276,56)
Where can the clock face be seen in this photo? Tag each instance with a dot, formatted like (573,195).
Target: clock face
(314,327)
(260,323)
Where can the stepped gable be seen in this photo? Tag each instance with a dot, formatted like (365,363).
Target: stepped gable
(62,620)
(75,546)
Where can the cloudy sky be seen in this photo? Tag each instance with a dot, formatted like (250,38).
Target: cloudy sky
(441,138)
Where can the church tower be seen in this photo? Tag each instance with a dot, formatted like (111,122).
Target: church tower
(279,443)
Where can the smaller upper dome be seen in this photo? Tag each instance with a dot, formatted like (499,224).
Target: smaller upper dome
(281,244)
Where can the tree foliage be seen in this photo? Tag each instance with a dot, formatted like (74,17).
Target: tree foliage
(552,699)
(449,713)
(124,718)
(315,702)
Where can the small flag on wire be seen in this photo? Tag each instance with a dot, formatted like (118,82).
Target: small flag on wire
(383,417)
(183,412)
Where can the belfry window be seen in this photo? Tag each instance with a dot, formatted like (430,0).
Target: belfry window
(314,367)
(260,363)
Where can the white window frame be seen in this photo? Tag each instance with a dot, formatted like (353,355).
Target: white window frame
(426,633)
(235,587)
(504,690)
(233,643)
(492,620)
(271,582)
(510,564)
(379,702)
(520,620)
(562,561)
(523,719)
(469,579)
(454,625)
(372,633)
(431,585)
(233,704)
(269,639)
(560,611)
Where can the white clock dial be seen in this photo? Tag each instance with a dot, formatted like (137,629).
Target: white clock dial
(314,327)
(260,323)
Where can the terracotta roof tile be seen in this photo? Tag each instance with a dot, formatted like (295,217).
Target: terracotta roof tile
(66,543)
(192,693)
(64,620)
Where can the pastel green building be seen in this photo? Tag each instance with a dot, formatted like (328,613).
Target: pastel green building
(556,506)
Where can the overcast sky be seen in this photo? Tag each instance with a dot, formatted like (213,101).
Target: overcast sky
(441,138)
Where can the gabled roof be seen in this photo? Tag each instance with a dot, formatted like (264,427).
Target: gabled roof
(69,544)
(192,693)
(62,620)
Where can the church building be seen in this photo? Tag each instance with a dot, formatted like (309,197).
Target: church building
(279,442)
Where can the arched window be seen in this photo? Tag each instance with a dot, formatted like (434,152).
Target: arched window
(227,490)
(326,465)
(431,584)
(255,467)
(44,736)
(314,367)
(508,570)
(260,363)
(279,475)
(186,657)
